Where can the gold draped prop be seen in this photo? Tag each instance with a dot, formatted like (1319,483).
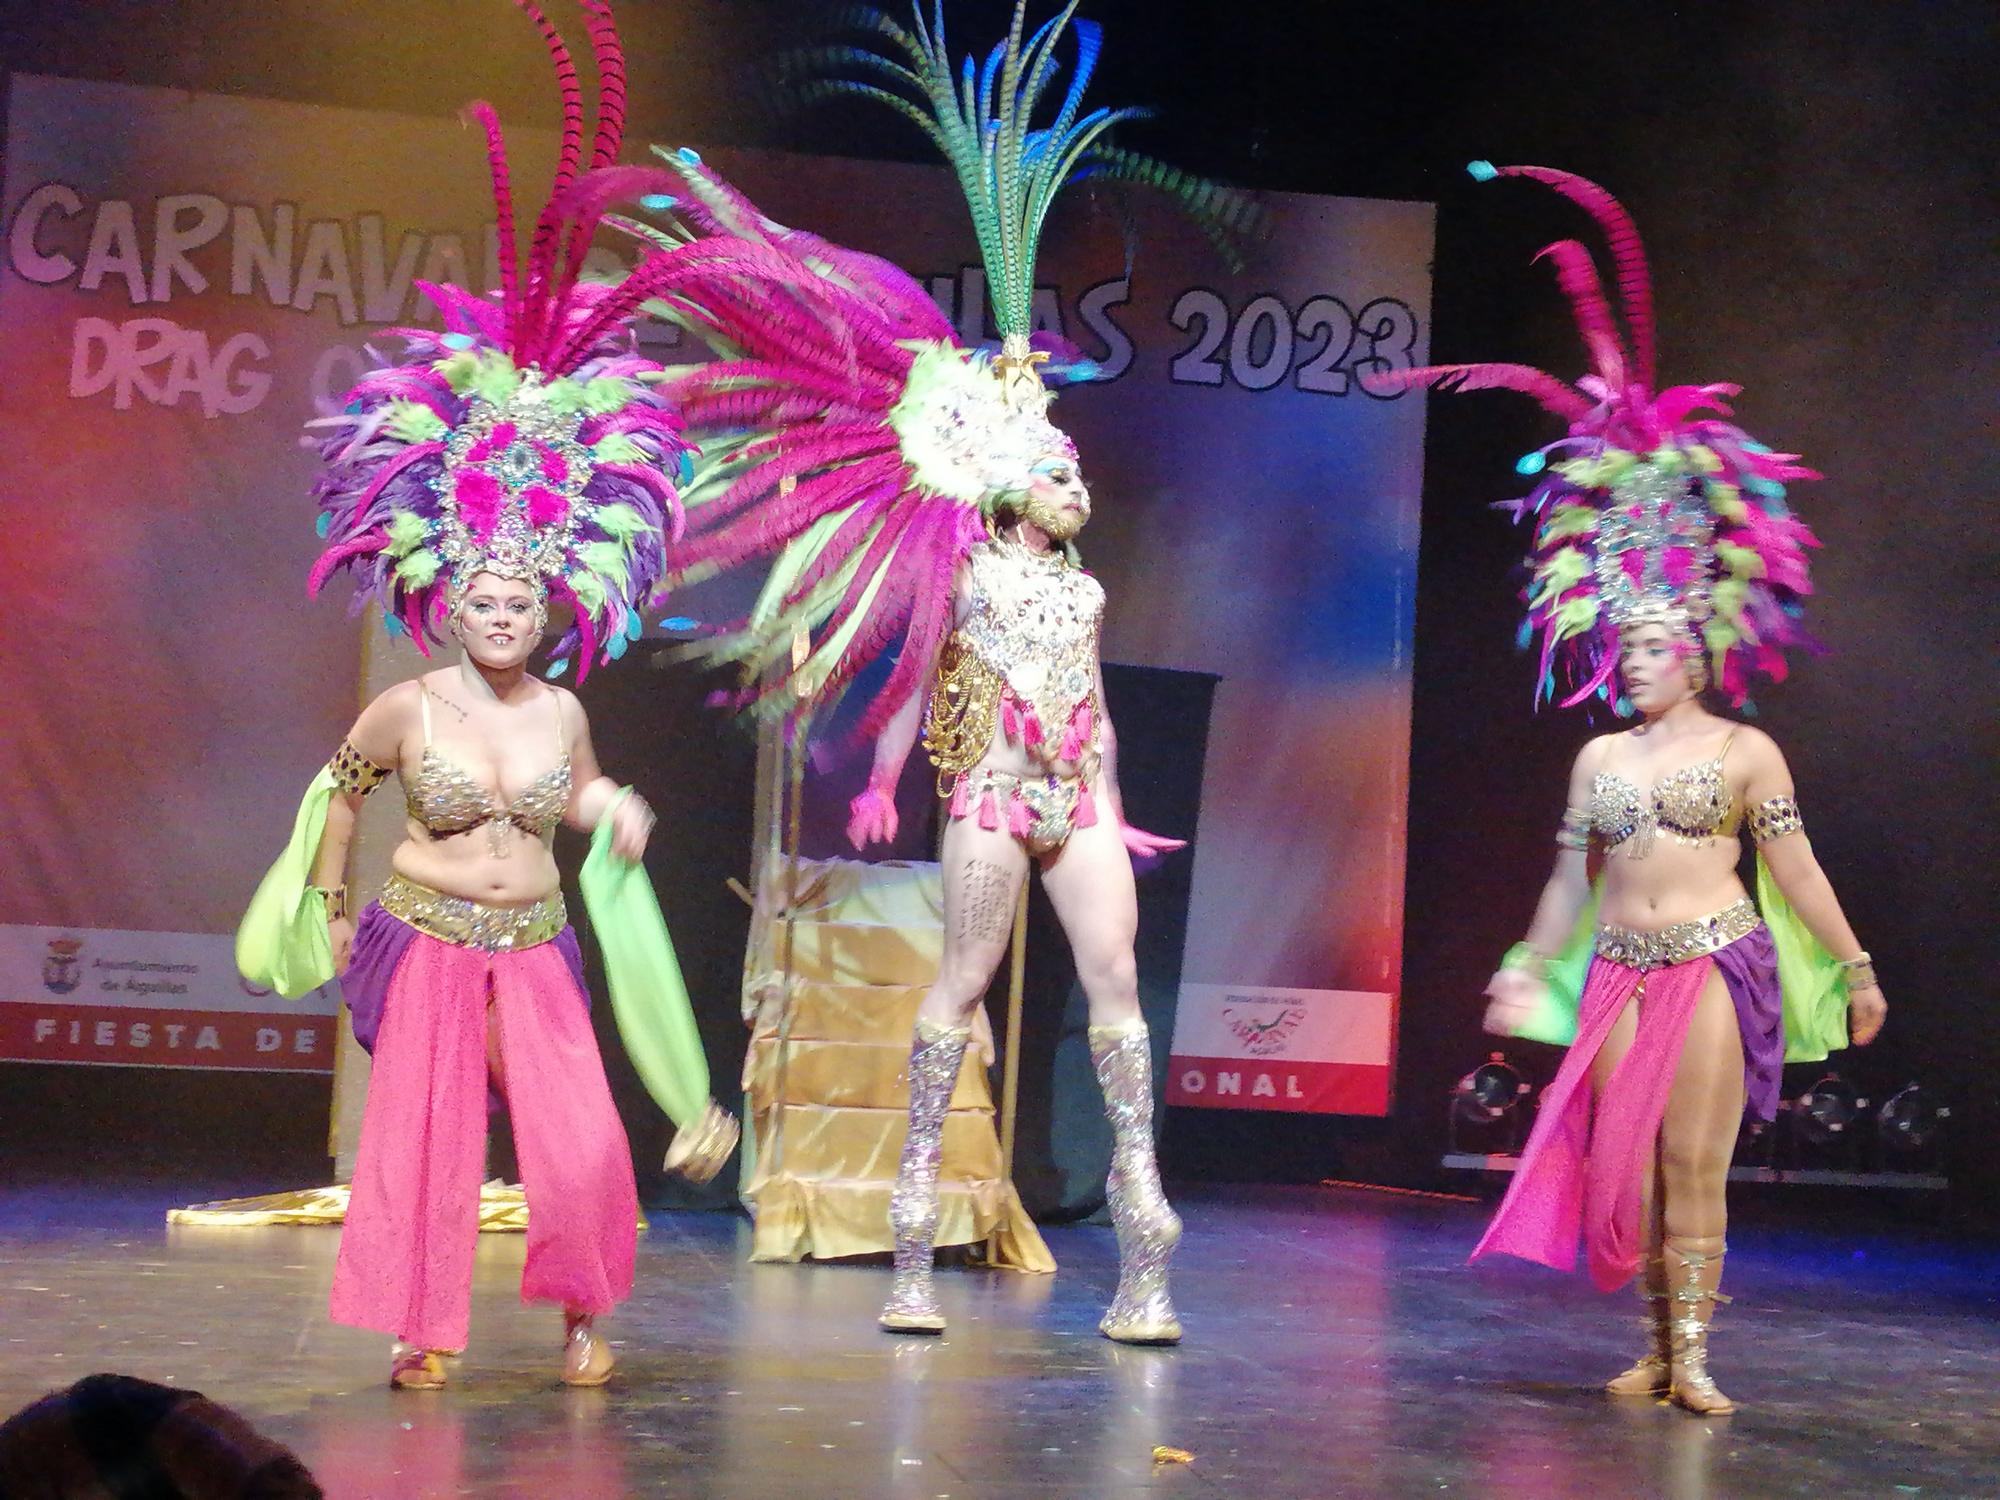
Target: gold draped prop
(866,942)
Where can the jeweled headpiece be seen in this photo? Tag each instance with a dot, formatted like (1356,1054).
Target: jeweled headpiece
(964,434)
(843,430)
(1644,513)
(526,437)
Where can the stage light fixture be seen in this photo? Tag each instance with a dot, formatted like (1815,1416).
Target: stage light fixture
(1825,1114)
(1488,1092)
(1912,1121)
(1484,1117)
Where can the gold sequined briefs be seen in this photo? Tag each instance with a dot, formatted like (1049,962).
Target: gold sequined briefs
(1663,946)
(473,924)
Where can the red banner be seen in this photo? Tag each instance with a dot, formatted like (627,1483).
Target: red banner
(1320,1088)
(125,1036)
(150,999)
(1314,1051)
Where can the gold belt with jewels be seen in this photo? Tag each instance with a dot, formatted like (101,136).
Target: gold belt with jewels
(473,924)
(1663,946)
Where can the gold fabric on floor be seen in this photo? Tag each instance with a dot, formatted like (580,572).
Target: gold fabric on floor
(503,1209)
(819,1167)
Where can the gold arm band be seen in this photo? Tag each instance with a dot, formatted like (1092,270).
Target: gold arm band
(1859,972)
(335,898)
(355,772)
(1575,830)
(1775,817)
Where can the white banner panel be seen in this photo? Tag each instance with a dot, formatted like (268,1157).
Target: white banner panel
(1257,1047)
(151,999)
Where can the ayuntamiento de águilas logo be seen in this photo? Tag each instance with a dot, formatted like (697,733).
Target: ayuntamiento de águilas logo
(62,969)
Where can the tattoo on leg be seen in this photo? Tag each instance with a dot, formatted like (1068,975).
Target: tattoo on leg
(984,910)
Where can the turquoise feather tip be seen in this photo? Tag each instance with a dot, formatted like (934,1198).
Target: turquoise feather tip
(634,626)
(678,622)
(1531,463)
(659,203)
(394,625)
(617,646)
(1482,171)
(689,155)
(556,669)
(321,524)
(457,341)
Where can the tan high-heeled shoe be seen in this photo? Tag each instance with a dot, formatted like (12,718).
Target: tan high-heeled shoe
(413,1369)
(587,1358)
(1651,1374)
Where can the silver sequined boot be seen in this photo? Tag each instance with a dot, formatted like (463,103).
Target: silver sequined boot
(1148,1229)
(935,1056)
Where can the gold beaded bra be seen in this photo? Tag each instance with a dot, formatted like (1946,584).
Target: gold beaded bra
(446,800)
(1024,661)
(1693,806)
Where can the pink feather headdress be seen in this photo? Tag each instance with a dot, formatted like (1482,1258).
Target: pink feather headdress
(526,436)
(845,433)
(1646,511)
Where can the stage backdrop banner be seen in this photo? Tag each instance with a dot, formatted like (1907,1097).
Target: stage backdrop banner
(1322,1051)
(150,999)
(190,277)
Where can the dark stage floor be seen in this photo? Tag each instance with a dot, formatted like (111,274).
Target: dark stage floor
(1336,1347)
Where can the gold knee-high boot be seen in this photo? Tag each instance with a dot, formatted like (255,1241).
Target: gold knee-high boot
(1148,1229)
(935,1055)
(1694,1271)
(1649,1375)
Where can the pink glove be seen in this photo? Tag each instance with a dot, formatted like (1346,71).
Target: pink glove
(1143,845)
(871,817)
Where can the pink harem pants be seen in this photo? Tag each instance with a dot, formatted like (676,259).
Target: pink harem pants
(406,1253)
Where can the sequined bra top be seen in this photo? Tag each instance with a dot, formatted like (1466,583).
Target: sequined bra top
(1692,806)
(443,798)
(1023,660)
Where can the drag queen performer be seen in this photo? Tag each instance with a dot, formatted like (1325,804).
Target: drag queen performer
(517,454)
(1665,561)
(914,488)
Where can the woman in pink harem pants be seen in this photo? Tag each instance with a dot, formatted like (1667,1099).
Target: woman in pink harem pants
(465,973)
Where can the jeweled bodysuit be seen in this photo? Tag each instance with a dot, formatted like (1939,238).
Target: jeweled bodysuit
(1022,663)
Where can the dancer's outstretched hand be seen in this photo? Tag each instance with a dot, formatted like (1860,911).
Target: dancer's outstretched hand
(631,826)
(1866,1011)
(1143,845)
(871,818)
(1514,995)
(340,938)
